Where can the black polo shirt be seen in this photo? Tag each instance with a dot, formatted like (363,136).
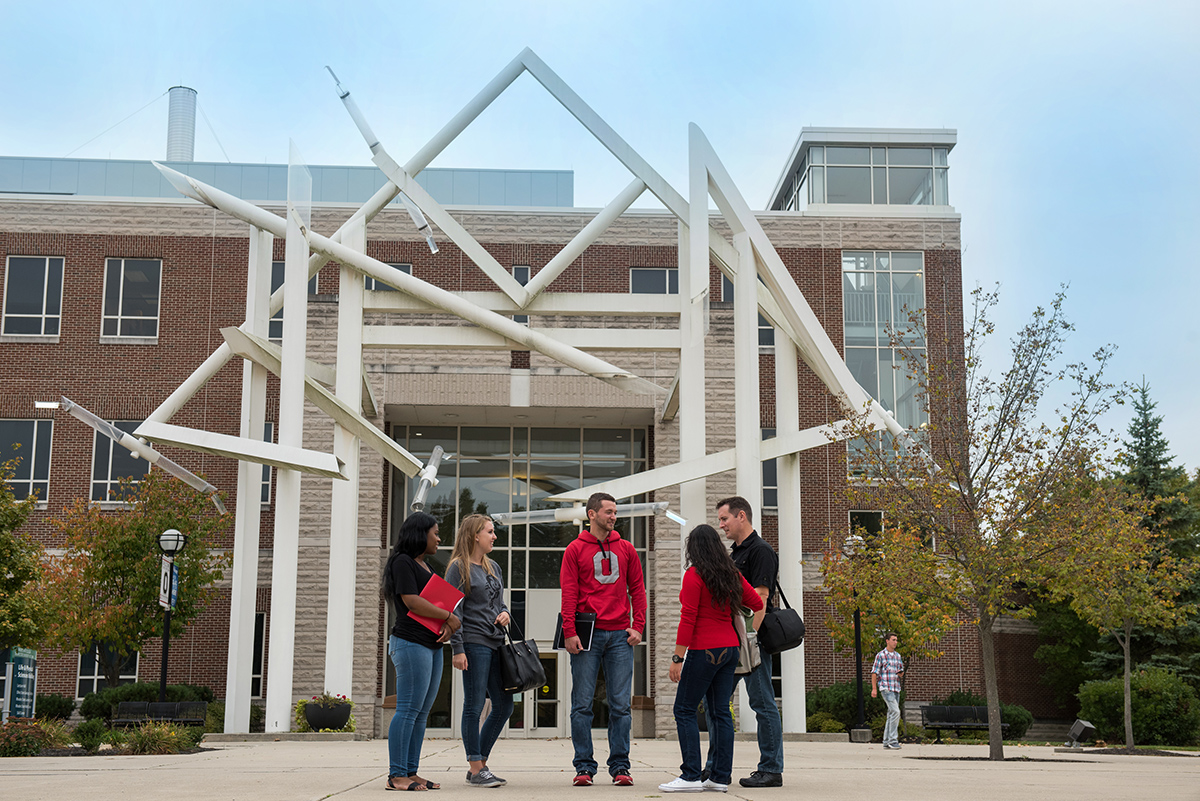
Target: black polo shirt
(758,562)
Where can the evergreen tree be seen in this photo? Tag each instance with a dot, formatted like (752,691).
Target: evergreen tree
(1175,518)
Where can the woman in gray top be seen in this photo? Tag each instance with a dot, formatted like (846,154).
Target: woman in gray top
(476,645)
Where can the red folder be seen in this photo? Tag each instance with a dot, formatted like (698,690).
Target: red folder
(441,594)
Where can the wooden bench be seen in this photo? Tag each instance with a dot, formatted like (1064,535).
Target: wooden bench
(956,718)
(183,713)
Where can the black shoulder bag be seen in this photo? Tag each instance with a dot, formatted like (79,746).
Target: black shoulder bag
(782,629)
(520,663)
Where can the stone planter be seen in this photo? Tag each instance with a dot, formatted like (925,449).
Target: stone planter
(332,717)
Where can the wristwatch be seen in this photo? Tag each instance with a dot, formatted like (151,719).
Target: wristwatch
(676,659)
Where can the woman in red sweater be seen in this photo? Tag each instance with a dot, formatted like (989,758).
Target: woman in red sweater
(713,591)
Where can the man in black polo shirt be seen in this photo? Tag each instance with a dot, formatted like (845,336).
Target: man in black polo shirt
(759,564)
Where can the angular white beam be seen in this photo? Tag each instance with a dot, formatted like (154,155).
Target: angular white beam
(582,240)
(449,226)
(612,304)
(267,354)
(250,450)
(435,296)
(460,337)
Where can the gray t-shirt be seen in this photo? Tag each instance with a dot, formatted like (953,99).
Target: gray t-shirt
(480,608)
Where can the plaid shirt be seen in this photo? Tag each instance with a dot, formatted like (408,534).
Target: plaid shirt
(888,666)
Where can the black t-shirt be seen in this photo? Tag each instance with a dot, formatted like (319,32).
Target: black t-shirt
(758,563)
(409,577)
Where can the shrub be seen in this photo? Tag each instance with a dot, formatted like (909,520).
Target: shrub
(193,735)
(54,707)
(104,703)
(21,737)
(1018,718)
(840,701)
(90,734)
(156,738)
(1165,708)
(824,722)
(57,733)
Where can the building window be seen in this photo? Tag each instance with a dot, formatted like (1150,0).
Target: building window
(377,286)
(26,445)
(275,327)
(521,273)
(131,294)
(33,295)
(111,463)
(654,280)
(881,290)
(770,477)
(256,663)
(866,524)
(268,436)
(904,176)
(91,674)
(766,332)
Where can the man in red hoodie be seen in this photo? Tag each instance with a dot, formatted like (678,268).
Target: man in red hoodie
(601,573)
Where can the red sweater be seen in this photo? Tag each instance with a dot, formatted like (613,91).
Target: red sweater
(702,624)
(614,599)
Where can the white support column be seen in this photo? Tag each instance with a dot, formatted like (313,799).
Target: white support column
(248,513)
(747,424)
(693,289)
(291,433)
(343,521)
(791,572)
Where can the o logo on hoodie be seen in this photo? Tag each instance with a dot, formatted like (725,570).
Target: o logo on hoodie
(614,567)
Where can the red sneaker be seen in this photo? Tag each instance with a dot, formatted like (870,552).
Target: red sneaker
(583,780)
(622,779)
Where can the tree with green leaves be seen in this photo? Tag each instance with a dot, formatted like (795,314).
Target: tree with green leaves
(991,482)
(1121,578)
(104,588)
(22,613)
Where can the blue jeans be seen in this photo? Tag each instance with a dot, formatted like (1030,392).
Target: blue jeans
(770,727)
(611,650)
(482,678)
(890,726)
(707,674)
(418,676)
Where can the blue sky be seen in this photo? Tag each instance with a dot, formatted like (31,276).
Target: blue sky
(1078,159)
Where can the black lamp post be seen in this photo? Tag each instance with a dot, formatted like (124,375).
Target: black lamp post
(851,548)
(170,542)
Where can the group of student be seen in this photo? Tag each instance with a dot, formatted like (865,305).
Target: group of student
(601,577)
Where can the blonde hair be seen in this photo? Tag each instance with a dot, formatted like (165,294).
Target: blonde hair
(464,549)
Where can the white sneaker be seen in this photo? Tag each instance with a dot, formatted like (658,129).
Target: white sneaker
(681,786)
(711,786)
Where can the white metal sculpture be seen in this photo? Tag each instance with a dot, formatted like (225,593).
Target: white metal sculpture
(749,261)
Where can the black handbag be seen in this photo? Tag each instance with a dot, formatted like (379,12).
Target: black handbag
(520,663)
(782,629)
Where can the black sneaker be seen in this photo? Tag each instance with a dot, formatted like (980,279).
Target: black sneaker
(704,774)
(762,779)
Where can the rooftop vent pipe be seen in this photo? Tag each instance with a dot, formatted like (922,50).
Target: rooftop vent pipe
(181,124)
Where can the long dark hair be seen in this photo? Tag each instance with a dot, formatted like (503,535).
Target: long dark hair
(412,541)
(707,554)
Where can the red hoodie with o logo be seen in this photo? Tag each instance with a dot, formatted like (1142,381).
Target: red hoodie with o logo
(605,578)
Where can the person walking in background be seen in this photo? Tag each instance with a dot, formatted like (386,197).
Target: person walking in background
(416,652)
(476,645)
(601,573)
(706,654)
(886,673)
(760,566)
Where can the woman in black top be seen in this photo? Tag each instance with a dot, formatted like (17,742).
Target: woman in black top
(415,650)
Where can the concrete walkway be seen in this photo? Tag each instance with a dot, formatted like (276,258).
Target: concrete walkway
(541,770)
